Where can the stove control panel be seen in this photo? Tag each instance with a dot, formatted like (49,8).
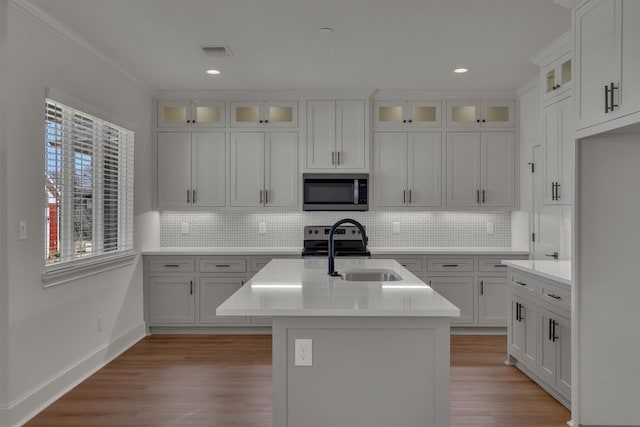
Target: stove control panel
(321,232)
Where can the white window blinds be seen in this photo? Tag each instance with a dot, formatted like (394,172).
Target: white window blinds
(89,185)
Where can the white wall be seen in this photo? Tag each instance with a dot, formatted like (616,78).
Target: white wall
(4,304)
(53,339)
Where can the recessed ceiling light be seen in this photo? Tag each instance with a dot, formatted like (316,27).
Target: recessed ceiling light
(326,30)
(213,72)
(460,70)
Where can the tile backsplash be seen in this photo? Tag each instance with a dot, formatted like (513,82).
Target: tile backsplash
(284,229)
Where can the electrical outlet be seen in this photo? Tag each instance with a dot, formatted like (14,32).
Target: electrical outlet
(262,228)
(490,228)
(185,228)
(396,227)
(303,352)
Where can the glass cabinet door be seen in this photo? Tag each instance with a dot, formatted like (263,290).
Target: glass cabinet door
(424,114)
(463,114)
(191,113)
(246,114)
(498,113)
(264,114)
(173,114)
(480,114)
(389,114)
(557,77)
(208,114)
(400,114)
(281,114)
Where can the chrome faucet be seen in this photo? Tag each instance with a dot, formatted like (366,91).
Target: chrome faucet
(331,256)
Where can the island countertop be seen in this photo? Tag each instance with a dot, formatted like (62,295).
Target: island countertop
(560,271)
(301,287)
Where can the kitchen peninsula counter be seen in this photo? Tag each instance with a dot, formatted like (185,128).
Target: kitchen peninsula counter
(379,353)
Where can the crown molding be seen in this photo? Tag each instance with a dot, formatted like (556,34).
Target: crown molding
(555,49)
(63,31)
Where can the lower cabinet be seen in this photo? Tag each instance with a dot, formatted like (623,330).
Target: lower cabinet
(213,292)
(492,300)
(539,332)
(459,291)
(172,300)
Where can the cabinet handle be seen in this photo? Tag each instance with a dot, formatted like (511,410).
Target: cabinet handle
(409,196)
(482,287)
(553,255)
(172,265)
(550,335)
(223,265)
(338,156)
(333,157)
(478,196)
(449,265)
(483,196)
(500,265)
(558,297)
(260,196)
(266,196)
(555,337)
(518,311)
(404,198)
(612,104)
(188,196)
(606,99)
(557,191)
(521,316)
(609,100)
(193,195)
(191,287)
(521,283)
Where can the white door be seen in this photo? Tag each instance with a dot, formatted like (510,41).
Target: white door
(546,219)
(459,291)
(174,169)
(321,134)
(424,169)
(390,169)
(350,134)
(599,55)
(548,348)
(281,169)
(498,169)
(463,169)
(550,122)
(492,301)
(247,169)
(209,159)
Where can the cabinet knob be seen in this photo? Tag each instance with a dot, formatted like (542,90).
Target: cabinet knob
(266,121)
(410,121)
(261,121)
(478,120)
(404,121)
(484,121)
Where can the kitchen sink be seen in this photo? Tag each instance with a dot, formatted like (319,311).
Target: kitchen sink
(370,275)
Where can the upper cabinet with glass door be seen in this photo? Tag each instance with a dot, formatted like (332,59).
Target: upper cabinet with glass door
(475,114)
(409,114)
(181,114)
(264,114)
(556,65)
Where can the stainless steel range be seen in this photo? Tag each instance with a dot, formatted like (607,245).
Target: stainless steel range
(347,241)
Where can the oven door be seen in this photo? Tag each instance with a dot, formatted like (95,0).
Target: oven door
(335,192)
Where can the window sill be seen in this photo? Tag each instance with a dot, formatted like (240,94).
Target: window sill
(60,274)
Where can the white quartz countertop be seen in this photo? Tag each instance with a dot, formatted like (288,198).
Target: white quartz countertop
(288,251)
(559,271)
(302,287)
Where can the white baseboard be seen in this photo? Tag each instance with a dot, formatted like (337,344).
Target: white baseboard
(31,403)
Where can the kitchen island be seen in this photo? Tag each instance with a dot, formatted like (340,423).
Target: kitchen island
(378,353)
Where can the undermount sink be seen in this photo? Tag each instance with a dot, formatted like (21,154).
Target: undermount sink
(370,275)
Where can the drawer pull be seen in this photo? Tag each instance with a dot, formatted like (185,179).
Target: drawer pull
(223,265)
(499,265)
(172,265)
(554,296)
(450,265)
(521,283)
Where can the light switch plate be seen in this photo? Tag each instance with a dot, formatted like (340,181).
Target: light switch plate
(490,229)
(185,228)
(262,228)
(396,227)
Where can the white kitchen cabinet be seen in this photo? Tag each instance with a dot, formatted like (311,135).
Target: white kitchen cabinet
(607,65)
(191,169)
(492,300)
(523,331)
(264,114)
(407,171)
(264,169)
(171,300)
(476,114)
(337,135)
(213,292)
(191,114)
(459,291)
(557,77)
(558,122)
(407,114)
(480,169)
(555,351)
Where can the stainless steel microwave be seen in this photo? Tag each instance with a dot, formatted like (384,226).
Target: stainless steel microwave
(335,192)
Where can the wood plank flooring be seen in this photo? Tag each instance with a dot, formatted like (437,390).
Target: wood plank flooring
(225,381)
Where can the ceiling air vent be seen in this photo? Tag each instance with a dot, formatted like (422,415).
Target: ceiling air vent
(217,50)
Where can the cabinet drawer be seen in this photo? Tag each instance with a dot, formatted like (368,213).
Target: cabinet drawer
(491,265)
(172,265)
(523,284)
(450,264)
(414,265)
(223,265)
(555,295)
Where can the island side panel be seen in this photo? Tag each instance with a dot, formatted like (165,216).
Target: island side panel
(367,371)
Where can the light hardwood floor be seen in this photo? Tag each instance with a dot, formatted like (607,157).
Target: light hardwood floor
(225,381)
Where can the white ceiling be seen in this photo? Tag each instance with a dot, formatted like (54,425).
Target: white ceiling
(376,44)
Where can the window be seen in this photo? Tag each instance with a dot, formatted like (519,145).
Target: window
(89,186)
